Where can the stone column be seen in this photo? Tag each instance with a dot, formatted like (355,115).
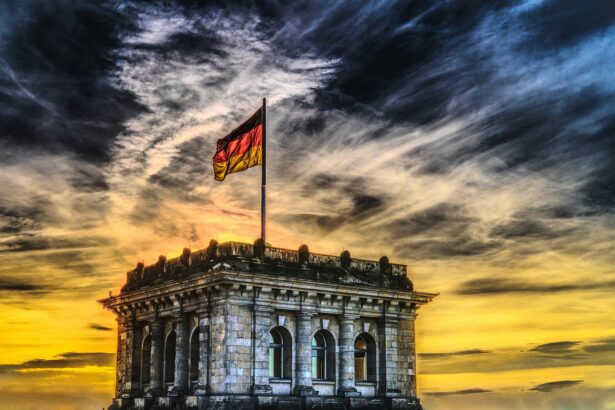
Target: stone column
(346,357)
(204,320)
(262,318)
(303,382)
(120,360)
(407,358)
(157,354)
(180,386)
(387,335)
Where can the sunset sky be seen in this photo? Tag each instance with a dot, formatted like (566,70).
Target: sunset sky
(471,140)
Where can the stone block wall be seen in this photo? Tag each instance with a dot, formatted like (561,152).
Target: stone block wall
(406,358)
(231,349)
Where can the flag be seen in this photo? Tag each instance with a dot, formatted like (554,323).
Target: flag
(241,149)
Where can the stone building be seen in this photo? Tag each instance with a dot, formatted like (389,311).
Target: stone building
(244,326)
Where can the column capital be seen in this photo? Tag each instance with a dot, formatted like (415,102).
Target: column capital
(349,317)
(263,310)
(202,311)
(179,319)
(305,314)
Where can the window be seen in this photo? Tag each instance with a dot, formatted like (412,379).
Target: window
(194,355)
(364,358)
(146,352)
(360,359)
(280,353)
(169,358)
(276,348)
(319,356)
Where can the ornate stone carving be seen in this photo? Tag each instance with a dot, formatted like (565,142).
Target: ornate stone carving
(303,255)
(345,259)
(212,249)
(385,265)
(259,249)
(184,259)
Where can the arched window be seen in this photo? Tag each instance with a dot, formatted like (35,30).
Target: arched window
(323,356)
(194,355)
(169,358)
(364,358)
(280,353)
(146,352)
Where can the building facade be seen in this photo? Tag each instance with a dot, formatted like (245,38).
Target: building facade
(244,326)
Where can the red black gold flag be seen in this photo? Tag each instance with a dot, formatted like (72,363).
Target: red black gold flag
(241,149)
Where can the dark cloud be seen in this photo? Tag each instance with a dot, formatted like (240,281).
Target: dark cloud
(459,353)
(56,93)
(12,223)
(560,384)
(490,286)
(443,248)
(96,326)
(36,243)
(444,218)
(63,360)
(22,286)
(560,23)
(601,346)
(457,392)
(425,62)
(528,229)
(345,200)
(555,347)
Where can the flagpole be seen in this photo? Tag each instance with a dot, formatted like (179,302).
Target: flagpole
(264,172)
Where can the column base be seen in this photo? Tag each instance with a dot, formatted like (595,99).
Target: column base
(304,391)
(152,392)
(348,392)
(202,390)
(392,393)
(120,403)
(176,391)
(262,389)
(143,403)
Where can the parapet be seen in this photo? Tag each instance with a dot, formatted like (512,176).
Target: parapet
(258,258)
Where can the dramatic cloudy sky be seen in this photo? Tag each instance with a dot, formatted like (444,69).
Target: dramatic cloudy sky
(472,140)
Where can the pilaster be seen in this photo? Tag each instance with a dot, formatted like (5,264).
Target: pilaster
(261,320)
(157,354)
(388,337)
(346,355)
(180,385)
(204,351)
(303,376)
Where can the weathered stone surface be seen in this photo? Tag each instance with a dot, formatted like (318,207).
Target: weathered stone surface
(218,307)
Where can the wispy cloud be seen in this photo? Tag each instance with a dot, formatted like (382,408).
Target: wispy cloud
(494,286)
(441,355)
(457,392)
(560,384)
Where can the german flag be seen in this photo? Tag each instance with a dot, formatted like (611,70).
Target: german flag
(241,149)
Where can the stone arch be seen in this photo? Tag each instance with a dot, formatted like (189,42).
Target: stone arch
(365,358)
(169,357)
(146,354)
(323,355)
(280,353)
(195,354)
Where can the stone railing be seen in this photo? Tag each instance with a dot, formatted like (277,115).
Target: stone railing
(341,268)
